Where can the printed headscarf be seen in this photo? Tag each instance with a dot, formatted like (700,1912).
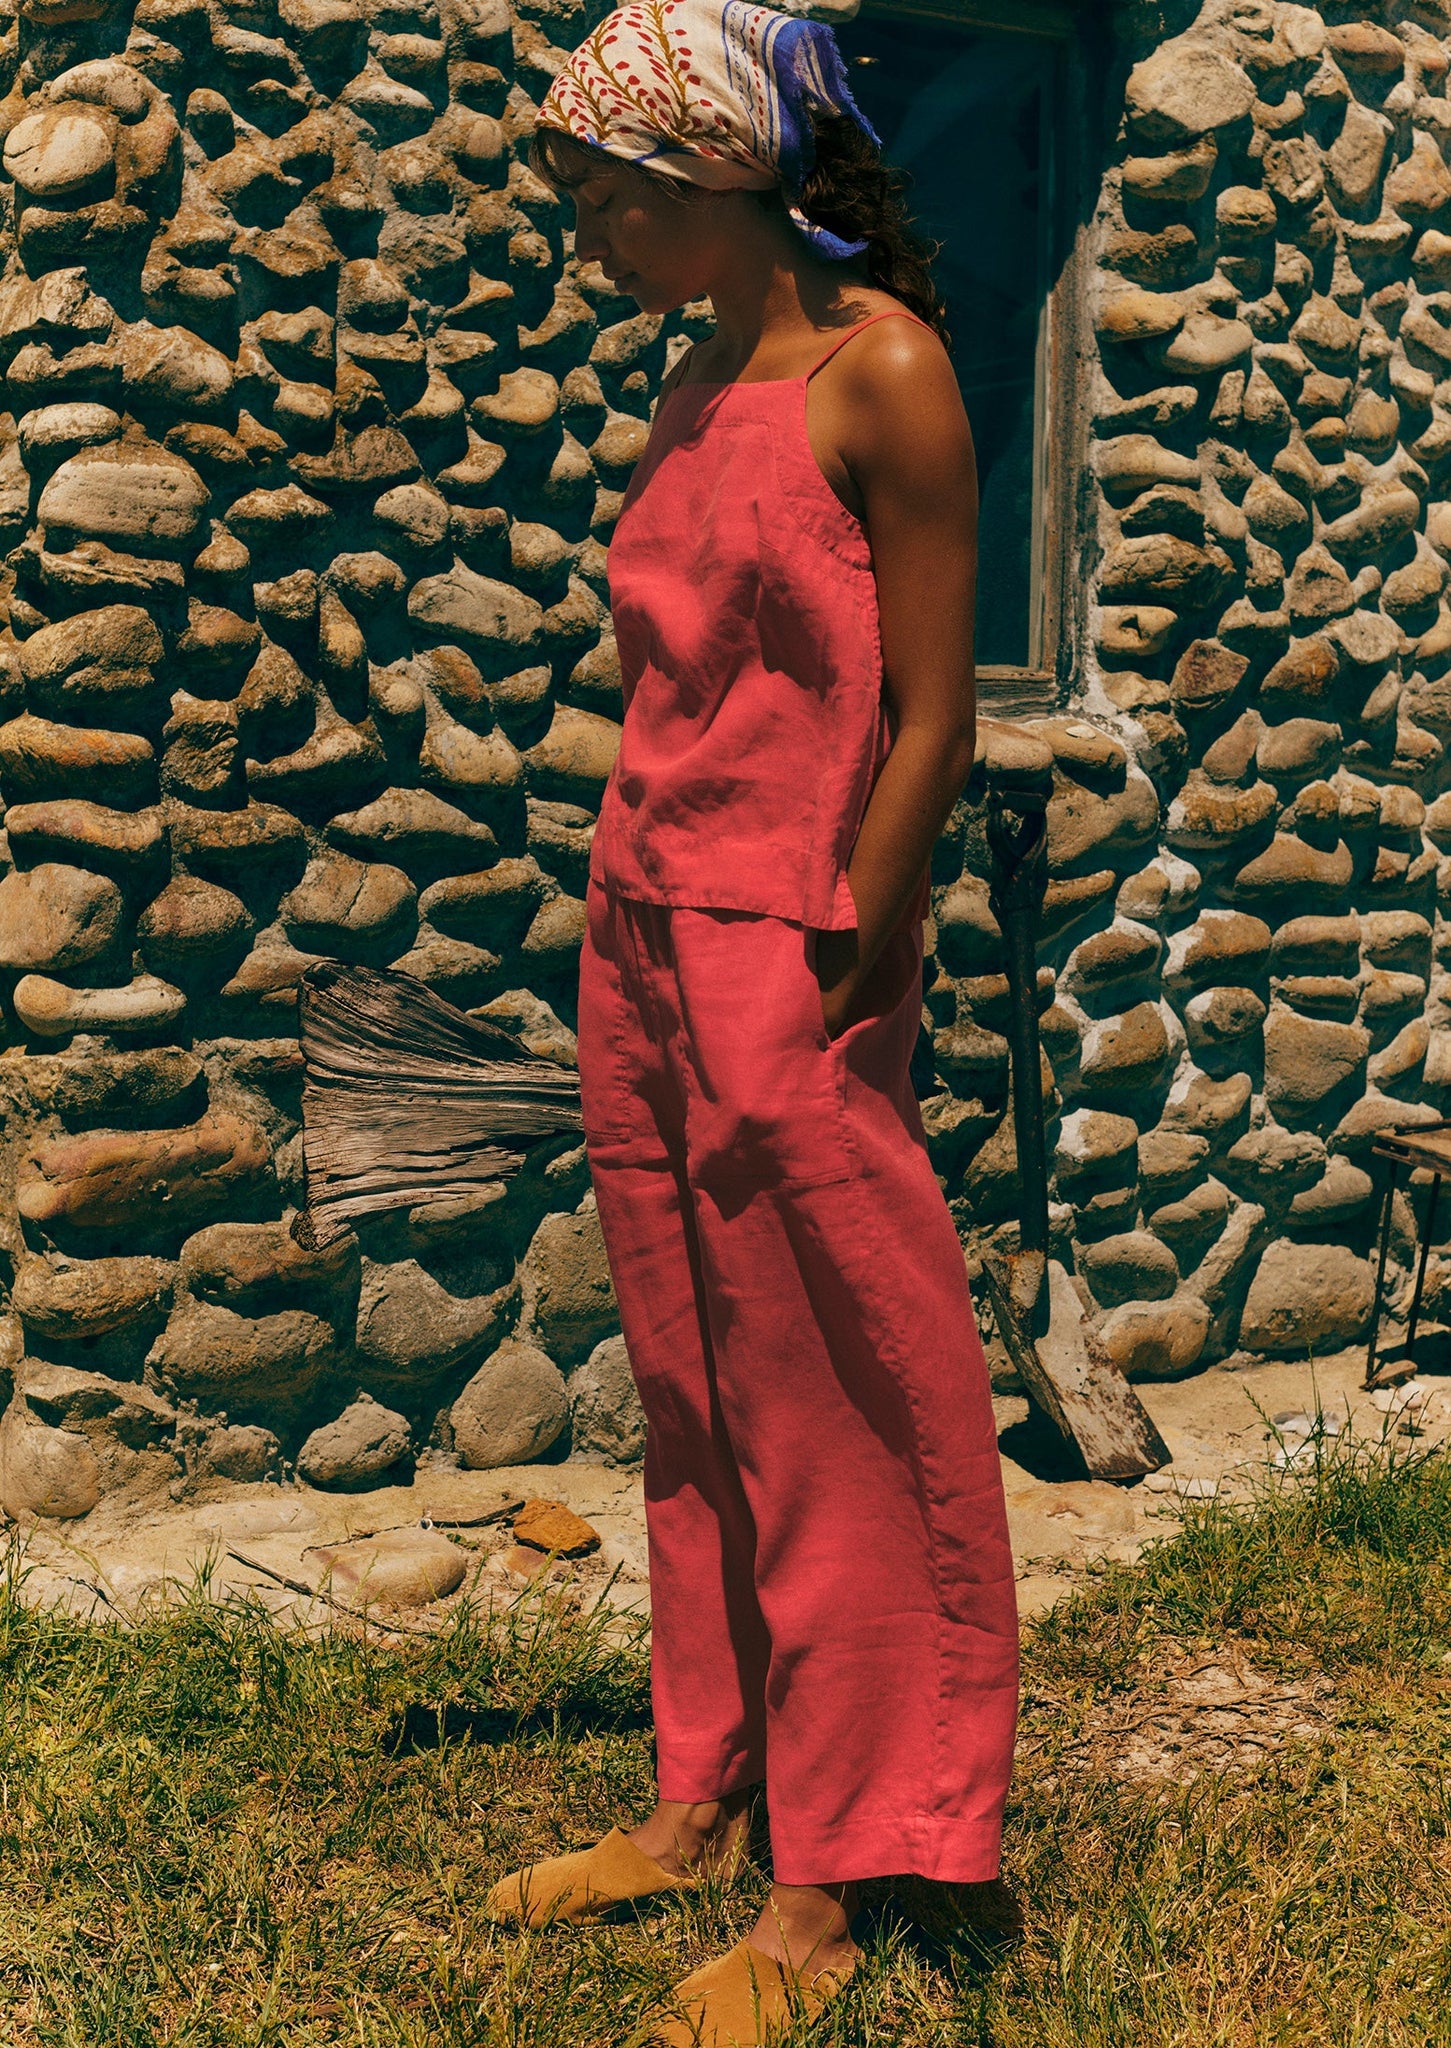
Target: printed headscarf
(718,93)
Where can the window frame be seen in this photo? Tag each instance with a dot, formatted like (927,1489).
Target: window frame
(1060,436)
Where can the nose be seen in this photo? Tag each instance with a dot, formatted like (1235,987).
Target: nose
(590,244)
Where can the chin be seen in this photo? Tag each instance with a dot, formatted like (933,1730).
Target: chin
(659,299)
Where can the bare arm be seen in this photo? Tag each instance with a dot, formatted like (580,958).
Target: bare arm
(891,429)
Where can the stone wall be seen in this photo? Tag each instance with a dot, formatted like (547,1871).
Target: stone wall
(314,437)
(312,444)
(1237,1013)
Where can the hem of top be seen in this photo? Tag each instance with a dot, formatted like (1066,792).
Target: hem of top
(690,898)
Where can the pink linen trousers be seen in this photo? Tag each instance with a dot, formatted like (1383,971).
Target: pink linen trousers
(832,1587)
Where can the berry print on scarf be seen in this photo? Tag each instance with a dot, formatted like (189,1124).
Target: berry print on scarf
(717,93)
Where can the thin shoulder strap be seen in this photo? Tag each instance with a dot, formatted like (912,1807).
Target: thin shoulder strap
(891,313)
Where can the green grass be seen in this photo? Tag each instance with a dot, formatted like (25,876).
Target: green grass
(214,1833)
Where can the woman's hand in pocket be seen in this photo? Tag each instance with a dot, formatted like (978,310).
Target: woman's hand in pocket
(838,959)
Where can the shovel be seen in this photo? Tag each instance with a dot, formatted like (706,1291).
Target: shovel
(1057,1354)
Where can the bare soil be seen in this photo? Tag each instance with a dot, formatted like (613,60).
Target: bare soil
(262,1541)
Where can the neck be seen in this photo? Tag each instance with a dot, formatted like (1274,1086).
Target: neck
(770,288)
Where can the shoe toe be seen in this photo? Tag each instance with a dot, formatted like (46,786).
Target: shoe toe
(539,1893)
(581,1885)
(505,1905)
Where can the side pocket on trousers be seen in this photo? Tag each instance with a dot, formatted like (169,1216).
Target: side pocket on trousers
(768,1097)
(812,938)
(607,1097)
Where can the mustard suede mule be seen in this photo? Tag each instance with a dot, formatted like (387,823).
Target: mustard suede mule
(744,1999)
(581,1885)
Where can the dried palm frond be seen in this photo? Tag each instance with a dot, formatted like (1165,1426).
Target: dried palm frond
(407,1101)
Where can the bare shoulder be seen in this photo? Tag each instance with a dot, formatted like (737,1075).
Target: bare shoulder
(896,409)
(901,366)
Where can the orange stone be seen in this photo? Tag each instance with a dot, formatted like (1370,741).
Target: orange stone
(548,1525)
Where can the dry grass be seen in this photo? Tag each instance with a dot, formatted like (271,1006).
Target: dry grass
(1231,1829)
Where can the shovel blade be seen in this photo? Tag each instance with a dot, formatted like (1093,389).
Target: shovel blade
(1073,1380)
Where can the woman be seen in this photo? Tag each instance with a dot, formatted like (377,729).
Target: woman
(792,579)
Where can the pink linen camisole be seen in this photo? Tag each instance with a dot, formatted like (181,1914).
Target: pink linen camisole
(750,646)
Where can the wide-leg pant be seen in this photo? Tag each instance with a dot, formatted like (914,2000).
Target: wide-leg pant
(832,1587)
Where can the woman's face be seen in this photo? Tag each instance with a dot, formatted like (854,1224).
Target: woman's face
(654,246)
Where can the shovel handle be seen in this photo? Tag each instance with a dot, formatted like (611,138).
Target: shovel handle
(1017,834)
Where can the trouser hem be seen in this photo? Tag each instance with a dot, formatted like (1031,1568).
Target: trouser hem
(693,1781)
(944,1851)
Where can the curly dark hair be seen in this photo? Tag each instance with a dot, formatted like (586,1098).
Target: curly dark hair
(852,190)
(858,195)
